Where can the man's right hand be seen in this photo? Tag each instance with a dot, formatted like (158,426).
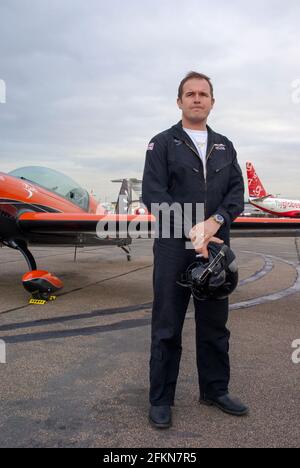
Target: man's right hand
(203,233)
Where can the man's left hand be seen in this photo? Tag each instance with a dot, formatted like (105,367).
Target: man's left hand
(202,233)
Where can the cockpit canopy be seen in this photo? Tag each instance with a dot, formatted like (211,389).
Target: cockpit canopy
(55,182)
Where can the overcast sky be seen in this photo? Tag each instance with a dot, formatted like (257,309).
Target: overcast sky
(89,82)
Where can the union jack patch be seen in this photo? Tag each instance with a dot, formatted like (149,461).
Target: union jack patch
(150,147)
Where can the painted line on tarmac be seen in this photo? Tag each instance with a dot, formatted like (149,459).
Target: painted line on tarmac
(71,333)
(72,318)
(267,268)
(295,288)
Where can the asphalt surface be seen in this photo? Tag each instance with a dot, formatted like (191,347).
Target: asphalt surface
(76,372)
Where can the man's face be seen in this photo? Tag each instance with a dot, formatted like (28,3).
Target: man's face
(196,102)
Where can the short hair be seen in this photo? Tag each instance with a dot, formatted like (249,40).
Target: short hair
(199,76)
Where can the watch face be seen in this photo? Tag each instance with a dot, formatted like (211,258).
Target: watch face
(219,218)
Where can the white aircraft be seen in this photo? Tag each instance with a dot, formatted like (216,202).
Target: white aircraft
(259,198)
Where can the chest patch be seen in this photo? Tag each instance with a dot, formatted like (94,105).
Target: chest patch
(220,147)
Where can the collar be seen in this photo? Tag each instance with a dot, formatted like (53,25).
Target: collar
(180,134)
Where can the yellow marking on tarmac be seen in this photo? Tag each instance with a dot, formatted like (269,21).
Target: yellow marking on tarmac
(41,301)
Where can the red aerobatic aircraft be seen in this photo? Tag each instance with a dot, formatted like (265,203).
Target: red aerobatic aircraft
(40,206)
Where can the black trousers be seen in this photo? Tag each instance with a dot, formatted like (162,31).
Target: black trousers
(171,259)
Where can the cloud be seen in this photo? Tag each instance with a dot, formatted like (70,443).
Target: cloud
(89,83)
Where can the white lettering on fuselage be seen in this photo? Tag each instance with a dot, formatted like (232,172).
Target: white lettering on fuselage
(31,190)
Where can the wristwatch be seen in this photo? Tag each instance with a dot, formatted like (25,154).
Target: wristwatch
(218,218)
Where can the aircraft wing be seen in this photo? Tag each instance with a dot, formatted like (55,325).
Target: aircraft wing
(85,222)
(85,228)
(265,227)
(61,224)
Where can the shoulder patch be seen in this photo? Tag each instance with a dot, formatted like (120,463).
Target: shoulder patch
(150,147)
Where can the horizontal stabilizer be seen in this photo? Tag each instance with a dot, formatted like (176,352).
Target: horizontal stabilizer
(260,198)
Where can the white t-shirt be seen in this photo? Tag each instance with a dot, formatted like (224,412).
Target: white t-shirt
(199,138)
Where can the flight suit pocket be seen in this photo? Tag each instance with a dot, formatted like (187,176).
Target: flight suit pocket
(222,167)
(179,166)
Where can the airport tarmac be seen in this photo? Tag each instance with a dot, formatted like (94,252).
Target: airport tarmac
(76,372)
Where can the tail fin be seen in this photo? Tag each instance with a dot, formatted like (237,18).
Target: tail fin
(129,196)
(256,188)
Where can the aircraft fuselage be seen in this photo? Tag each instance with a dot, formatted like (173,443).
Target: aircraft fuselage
(278,206)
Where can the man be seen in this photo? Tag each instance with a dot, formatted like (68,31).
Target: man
(191,164)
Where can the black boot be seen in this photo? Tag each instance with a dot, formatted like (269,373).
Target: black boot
(226,403)
(160,417)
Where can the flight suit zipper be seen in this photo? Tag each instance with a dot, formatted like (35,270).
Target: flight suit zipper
(210,151)
(204,172)
(197,154)
(207,158)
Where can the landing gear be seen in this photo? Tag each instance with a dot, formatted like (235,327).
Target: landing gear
(41,284)
(127,250)
(21,246)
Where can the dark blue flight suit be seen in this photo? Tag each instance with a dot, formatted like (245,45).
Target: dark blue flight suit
(174,173)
